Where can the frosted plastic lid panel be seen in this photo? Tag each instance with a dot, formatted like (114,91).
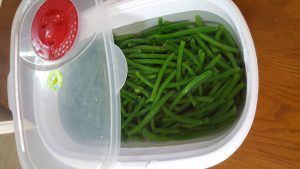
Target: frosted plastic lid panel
(64,85)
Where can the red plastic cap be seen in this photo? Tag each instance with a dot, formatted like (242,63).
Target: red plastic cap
(54,28)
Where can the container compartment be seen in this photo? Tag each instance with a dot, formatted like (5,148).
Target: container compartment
(135,17)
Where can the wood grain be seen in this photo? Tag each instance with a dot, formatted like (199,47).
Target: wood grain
(274,139)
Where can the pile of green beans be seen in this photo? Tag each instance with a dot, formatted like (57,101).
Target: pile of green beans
(185,80)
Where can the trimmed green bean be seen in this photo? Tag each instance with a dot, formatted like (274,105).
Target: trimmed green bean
(151,49)
(164,85)
(232,59)
(131,51)
(225,74)
(179,60)
(165,28)
(167,130)
(235,79)
(182,119)
(202,29)
(192,99)
(215,88)
(189,69)
(196,81)
(160,76)
(148,56)
(199,20)
(217,43)
(236,90)
(213,62)
(132,114)
(180,83)
(152,113)
(219,32)
(218,118)
(153,61)
(142,67)
(139,41)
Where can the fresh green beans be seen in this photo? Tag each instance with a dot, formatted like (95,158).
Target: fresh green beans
(155,110)
(160,76)
(190,86)
(179,60)
(217,43)
(185,80)
(202,29)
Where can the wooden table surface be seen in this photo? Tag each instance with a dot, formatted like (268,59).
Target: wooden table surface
(274,139)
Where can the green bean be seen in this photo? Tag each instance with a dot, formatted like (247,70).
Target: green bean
(151,49)
(205,99)
(160,76)
(186,52)
(192,99)
(180,83)
(222,88)
(147,134)
(225,74)
(236,90)
(213,62)
(219,32)
(202,29)
(200,90)
(221,63)
(217,43)
(131,51)
(201,56)
(160,21)
(229,38)
(215,88)
(165,28)
(217,118)
(137,89)
(153,61)
(189,69)
(131,116)
(152,113)
(127,98)
(199,20)
(123,37)
(214,49)
(142,67)
(123,111)
(153,76)
(231,85)
(129,94)
(182,119)
(196,81)
(203,46)
(164,85)
(152,124)
(167,130)
(205,110)
(193,45)
(224,108)
(179,60)
(232,59)
(139,41)
(148,56)
(143,111)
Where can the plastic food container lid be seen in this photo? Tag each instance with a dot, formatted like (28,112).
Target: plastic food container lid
(66,74)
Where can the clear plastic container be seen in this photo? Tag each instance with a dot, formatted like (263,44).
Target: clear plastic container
(50,125)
